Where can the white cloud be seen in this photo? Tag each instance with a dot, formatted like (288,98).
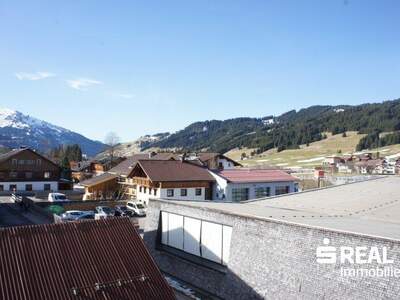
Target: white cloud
(82,83)
(125,96)
(33,76)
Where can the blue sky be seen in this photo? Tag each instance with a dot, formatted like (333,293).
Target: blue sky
(141,67)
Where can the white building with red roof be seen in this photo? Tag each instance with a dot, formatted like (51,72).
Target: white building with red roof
(244,184)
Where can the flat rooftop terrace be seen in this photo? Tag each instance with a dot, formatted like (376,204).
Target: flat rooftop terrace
(369,208)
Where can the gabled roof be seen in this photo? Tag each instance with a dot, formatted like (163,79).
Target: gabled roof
(10,154)
(206,156)
(255,175)
(172,170)
(99,179)
(126,167)
(49,261)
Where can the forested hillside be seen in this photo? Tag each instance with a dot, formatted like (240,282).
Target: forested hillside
(287,131)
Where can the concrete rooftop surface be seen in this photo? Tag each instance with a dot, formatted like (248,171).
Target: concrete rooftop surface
(369,207)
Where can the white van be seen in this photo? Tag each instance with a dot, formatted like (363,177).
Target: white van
(138,208)
(57,197)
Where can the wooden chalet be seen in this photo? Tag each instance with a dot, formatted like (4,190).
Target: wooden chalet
(26,170)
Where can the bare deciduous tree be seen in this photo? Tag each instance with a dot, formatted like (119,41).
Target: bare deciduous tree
(112,140)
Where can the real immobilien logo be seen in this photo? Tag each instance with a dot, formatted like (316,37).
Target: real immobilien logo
(357,257)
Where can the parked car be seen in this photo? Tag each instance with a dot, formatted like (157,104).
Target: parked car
(138,208)
(88,215)
(72,215)
(124,211)
(57,197)
(106,211)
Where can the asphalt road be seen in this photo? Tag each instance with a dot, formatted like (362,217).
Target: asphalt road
(11,217)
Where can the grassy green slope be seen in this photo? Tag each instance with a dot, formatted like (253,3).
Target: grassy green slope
(311,156)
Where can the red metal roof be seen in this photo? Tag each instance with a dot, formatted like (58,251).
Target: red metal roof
(49,261)
(255,175)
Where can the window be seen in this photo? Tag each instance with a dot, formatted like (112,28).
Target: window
(47,187)
(13,174)
(170,193)
(38,162)
(46,174)
(197,237)
(220,165)
(198,192)
(14,162)
(155,192)
(149,191)
(21,162)
(2,175)
(28,187)
(262,192)
(144,189)
(183,192)
(13,187)
(140,188)
(279,190)
(1,188)
(28,175)
(240,194)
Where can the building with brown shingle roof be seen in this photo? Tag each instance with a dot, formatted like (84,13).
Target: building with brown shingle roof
(172,179)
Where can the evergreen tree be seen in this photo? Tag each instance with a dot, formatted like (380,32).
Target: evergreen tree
(65,169)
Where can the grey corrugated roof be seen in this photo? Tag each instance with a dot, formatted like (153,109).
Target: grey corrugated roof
(370,207)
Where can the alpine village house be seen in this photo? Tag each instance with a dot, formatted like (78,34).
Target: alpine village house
(24,170)
(199,176)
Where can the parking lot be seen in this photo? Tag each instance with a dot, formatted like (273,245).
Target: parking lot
(12,214)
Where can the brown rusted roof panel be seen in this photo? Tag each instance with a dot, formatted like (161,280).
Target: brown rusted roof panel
(49,261)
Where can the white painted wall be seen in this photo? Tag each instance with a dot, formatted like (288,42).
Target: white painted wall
(162,193)
(36,185)
(226,163)
(222,190)
(146,196)
(191,194)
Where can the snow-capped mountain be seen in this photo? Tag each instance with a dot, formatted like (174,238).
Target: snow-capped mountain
(17,129)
